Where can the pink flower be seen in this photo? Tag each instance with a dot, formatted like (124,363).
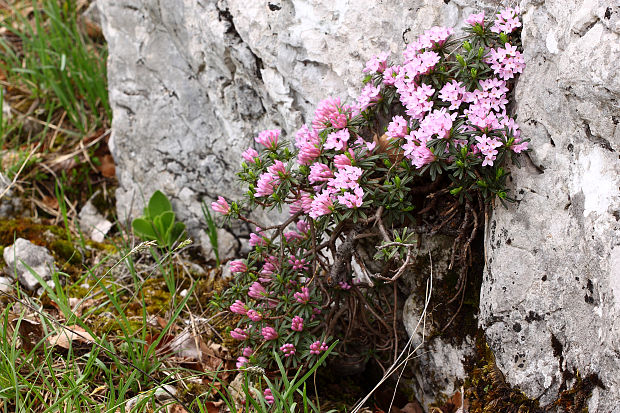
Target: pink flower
(487,146)
(247,352)
(302,297)
(337,140)
(292,236)
(237,266)
(507,21)
(250,155)
(390,75)
(278,169)
(519,146)
(268,138)
(238,307)
(257,239)
(303,227)
(319,172)
(346,178)
(257,291)
(397,127)
(241,361)
(298,264)
(239,334)
(453,92)
(269,333)
(317,347)
(344,285)
(506,62)
(288,350)
(303,203)
(221,206)
(418,101)
(352,200)
(344,159)
(377,64)
(328,112)
(268,396)
(254,315)
(475,19)
(368,97)
(321,205)
(266,184)
(308,143)
(297,324)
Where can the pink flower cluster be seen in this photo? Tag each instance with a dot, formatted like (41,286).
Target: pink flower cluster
(288,350)
(506,62)
(483,108)
(507,21)
(318,347)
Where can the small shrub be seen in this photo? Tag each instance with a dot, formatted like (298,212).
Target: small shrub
(431,134)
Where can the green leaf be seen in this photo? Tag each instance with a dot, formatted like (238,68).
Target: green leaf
(158,204)
(177,230)
(166,220)
(144,229)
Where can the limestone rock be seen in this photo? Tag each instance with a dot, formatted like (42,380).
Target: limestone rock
(550,300)
(10,202)
(34,256)
(93,223)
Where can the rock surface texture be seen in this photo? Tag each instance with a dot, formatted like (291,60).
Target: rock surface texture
(23,254)
(191,82)
(550,301)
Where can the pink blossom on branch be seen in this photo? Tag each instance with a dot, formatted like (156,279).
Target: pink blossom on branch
(288,350)
(302,297)
(322,205)
(377,63)
(250,155)
(318,347)
(474,19)
(238,307)
(297,324)
(221,206)
(269,333)
(257,291)
(237,266)
(239,334)
(241,362)
(266,184)
(268,138)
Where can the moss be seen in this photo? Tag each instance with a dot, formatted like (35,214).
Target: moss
(575,399)
(486,388)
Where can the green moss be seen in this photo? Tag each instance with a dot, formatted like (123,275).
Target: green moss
(486,388)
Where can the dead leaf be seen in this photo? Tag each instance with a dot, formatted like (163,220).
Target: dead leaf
(30,332)
(71,337)
(384,144)
(107,167)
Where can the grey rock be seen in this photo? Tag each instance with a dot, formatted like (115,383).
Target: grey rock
(10,202)
(36,257)
(550,300)
(93,223)
(6,285)
(439,361)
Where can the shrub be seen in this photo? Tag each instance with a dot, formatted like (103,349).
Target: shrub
(361,169)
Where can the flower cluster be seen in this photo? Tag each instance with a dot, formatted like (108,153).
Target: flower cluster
(446,110)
